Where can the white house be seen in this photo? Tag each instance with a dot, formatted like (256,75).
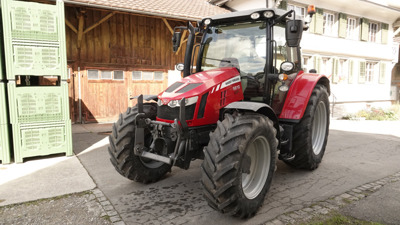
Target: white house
(350,41)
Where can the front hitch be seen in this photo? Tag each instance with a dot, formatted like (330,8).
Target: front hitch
(179,127)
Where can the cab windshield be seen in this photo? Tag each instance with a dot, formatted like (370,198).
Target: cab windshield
(243,45)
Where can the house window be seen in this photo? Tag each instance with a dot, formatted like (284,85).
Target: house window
(372,32)
(136,75)
(326,67)
(118,75)
(106,75)
(329,24)
(352,31)
(147,75)
(93,74)
(300,11)
(158,75)
(370,72)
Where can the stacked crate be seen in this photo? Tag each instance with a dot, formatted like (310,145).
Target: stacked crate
(4,137)
(34,43)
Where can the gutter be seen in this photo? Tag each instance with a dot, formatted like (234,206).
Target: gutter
(384,6)
(129,10)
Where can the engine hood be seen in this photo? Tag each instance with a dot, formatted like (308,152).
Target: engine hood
(197,84)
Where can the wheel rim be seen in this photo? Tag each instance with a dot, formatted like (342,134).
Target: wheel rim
(319,128)
(260,155)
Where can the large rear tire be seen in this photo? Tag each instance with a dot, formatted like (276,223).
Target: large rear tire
(122,141)
(239,163)
(310,136)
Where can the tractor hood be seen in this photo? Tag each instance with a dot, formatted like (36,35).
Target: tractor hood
(199,83)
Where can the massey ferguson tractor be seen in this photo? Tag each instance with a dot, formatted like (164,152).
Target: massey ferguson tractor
(243,102)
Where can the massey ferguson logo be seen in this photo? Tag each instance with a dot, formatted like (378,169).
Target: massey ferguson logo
(164,101)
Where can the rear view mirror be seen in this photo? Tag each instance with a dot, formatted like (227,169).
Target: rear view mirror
(294,31)
(176,40)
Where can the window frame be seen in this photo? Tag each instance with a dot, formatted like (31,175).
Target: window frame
(333,26)
(98,77)
(113,75)
(354,33)
(371,72)
(373,37)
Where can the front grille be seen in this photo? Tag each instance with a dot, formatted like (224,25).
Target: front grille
(167,113)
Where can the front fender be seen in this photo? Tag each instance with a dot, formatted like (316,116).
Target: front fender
(257,107)
(299,94)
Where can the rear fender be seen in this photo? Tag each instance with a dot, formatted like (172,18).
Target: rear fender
(257,107)
(299,95)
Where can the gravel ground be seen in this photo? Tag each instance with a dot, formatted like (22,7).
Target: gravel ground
(81,208)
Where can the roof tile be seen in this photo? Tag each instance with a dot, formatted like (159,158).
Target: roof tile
(185,9)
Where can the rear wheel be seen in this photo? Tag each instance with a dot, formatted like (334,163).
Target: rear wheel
(311,134)
(239,163)
(122,141)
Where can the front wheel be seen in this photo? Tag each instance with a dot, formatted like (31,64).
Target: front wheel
(311,134)
(122,141)
(239,163)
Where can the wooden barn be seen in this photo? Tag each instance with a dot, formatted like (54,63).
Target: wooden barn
(122,48)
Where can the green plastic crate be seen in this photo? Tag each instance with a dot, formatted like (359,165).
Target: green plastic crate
(34,38)
(4,144)
(31,104)
(39,139)
(36,60)
(31,20)
(3,105)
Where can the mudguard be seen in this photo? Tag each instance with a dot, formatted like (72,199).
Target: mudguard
(258,107)
(299,94)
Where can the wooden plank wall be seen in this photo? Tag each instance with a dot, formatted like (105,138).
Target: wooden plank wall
(124,42)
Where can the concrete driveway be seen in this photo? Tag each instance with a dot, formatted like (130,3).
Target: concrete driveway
(358,152)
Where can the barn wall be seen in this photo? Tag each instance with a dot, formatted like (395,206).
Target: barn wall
(125,42)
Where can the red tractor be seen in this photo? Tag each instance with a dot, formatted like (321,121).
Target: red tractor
(243,102)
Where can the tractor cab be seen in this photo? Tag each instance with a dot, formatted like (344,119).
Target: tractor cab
(262,44)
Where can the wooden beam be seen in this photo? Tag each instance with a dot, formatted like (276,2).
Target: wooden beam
(169,26)
(72,27)
(99,22)
(80,29)
(183,35)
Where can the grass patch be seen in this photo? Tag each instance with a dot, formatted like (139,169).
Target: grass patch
(106,217)
(337,219)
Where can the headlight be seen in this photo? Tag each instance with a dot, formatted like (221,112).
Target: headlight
(188,101)
(268,14)
(180,66)
(287,66)
(207,21)
(159,103)
(255,16)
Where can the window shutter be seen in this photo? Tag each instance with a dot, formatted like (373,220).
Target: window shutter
(283,5)
(351,71)
(342,25)
(364,29)
(311,28)
(319,21)
(317,63)
(361,76)
(385,28)
(335,70)
(382,72)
